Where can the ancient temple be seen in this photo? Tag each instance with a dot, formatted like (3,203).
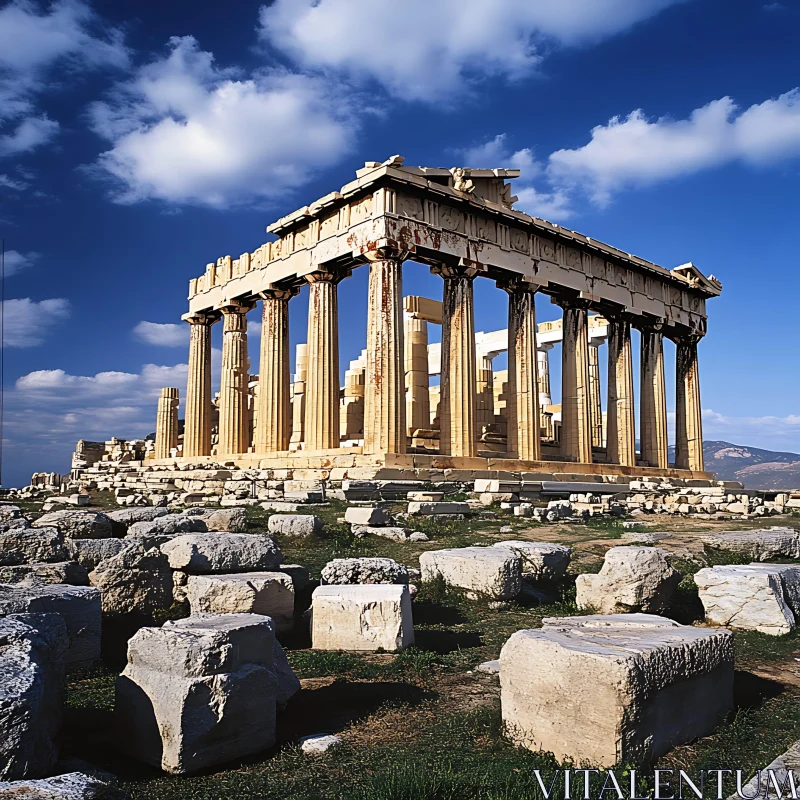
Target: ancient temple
(462,224)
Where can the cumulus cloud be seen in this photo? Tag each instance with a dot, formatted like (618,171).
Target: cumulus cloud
(430,50)
(162,334)
(15,261)
(637,151)
(185,130)
(69,36)
(27,323)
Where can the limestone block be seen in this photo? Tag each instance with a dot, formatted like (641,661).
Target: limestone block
(288,683)
(388,532)
(77,524)
(138,579)
(90,552)
(13,524)
(482,571)
(294,524)
(364,515)
(428,509)
(760,597)
(363,570)
(319,743)
(166,525)
(613,689)
(69,572)
(128,516)
(79,606)
(233,520)
(631,579)
(541,561)
(69,786)
(267,593)
(32,545)
(759,544)
(32,647)
(361,617)
(206,553)
(198,691)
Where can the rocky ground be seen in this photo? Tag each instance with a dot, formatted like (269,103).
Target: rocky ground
(426,723)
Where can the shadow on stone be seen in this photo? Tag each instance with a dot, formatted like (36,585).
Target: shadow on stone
(750,691)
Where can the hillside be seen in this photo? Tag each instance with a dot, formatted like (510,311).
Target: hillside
(755,468)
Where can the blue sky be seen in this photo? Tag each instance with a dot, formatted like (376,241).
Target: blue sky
(141,140)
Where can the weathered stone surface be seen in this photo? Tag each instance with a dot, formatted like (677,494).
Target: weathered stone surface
(758,597)
(70,786)
(14,524)
(32,647)
(166,525)
(361,618)
(32,545)
(388,532)
(541,561)
(366,515)
(69,572)
(489,667)
(631,579)
(294,524)
(202,554)
(138,579)
(288,682)
(760,545)
(77,524)
(482,571)
(299,575)
(429,509)
(79,606)
(128,516)
(342,571)
(90,552)
(319,743)
(198,691)
(614,689)
(233,520)
(267,593)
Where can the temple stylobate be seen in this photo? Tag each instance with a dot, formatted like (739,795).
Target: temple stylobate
(462,224)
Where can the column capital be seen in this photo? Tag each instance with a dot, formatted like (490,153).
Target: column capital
(516,283)
(235,307)
(201,317)
(328,275)
(387,252)
(464,269)
(279,292)
(682,335)
(649,324)
(567,301)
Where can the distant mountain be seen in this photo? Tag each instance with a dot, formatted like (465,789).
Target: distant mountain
(755,468)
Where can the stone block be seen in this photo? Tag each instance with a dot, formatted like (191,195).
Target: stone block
(541,561)
(366,515)
(758,544)
(69,786)
(127,516)
(206,553)
(342,571)
(32,545)
(267,593)
(294,524)
(388,532)
(361,617)
(169,524)
(198,692)
(69,572)
(605,690)
(77,524)
(756,597)
(482,571)
(298,574)
(319,743)
(288,683)
(90,552)
(435,509)
(233,520)
(79,607)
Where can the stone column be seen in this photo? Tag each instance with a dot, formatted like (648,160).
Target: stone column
(298,396)
(457,411)
(484,392)
(545,394)
(352,406)
(273,415)
(621,415)
(576,434)
(595,403)
(522,410)
(415,346)
(653,411)
(197,426)
(384,383)
(322,383)
(167,423)
(688,412)
(233,391)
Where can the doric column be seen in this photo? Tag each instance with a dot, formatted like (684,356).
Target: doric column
(299,396)
(352,408)
(522,409)
(273,414)
(457,418)
(688,413)
(576,434)
(653,406)
(484,391)
(167,423)
(197,425)
(595,403)
(234,424)
(322,383)
(415,346)
(384,383)
(545,394)
(621,415)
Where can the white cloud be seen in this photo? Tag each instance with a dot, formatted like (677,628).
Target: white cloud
(15,261)
(184,130)
(162,334)
(27,323)
(637,151)
(767,432)
(428,49)
(7,182)
(33,41)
